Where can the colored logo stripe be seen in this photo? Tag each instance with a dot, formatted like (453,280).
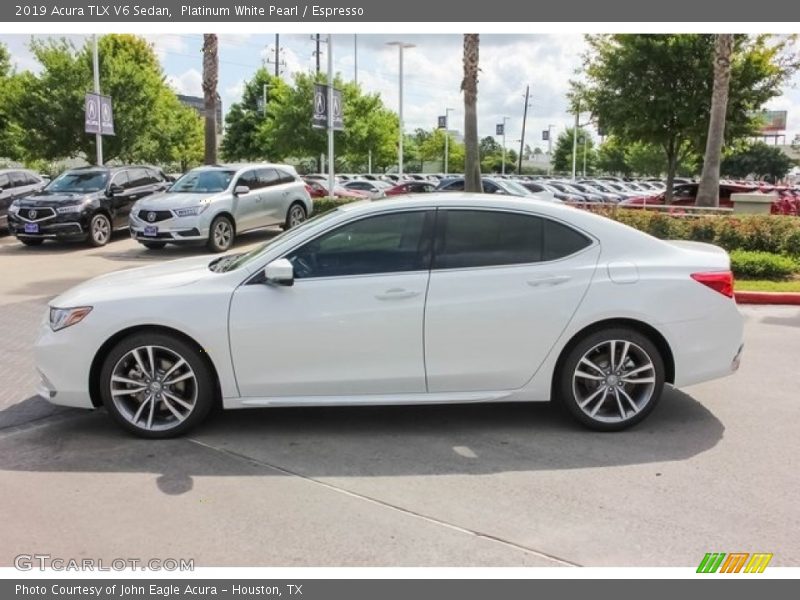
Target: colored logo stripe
(734,563)
(758,562)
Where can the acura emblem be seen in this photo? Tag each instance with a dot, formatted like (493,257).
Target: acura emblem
(32,214)
(151,216)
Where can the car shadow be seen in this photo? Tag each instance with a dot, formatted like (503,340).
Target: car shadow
(362,442)
(13,246)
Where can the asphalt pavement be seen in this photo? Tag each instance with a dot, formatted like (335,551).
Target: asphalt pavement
(713,469)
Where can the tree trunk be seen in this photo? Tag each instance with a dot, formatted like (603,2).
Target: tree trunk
(210,81)
(708,191)
(469,85)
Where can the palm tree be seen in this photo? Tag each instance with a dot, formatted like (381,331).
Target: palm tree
(469,85)
(708,191)
(210,81)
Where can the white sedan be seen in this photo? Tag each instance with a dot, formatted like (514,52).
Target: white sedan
(445,298)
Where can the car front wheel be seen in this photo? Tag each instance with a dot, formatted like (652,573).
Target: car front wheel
(611,379)
(156,385)
(99,230)
(221,234)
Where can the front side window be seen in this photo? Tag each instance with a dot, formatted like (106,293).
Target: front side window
(388,243)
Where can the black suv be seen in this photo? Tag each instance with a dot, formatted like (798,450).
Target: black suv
(16,184)
(83,204)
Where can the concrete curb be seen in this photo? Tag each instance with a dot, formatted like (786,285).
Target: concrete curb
(792,298)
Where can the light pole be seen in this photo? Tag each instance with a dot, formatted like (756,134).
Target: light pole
(447,112)
(96,68)
(355,58)
(503,168)
(331,176)
(401,46)
(550,148)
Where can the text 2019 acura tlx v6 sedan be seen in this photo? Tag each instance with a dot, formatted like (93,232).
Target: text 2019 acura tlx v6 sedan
(443,298)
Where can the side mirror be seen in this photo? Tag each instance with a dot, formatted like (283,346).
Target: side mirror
(115,189)
(241,190)
(279,272)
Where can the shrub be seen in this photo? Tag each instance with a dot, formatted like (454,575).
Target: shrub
(778,234)
(322,205)
(762,265)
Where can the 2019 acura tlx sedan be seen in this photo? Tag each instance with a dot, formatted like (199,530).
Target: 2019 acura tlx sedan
(445,298)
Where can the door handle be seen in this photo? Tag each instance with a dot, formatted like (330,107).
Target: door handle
(554,280)
(396,294)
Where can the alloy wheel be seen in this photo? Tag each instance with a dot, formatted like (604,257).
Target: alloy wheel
(223,234)
(614,381)
(154,388)
(100,230)
(296,215)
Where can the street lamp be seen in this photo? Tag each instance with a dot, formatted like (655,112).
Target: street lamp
(503,171)
(401,46)
(447,112)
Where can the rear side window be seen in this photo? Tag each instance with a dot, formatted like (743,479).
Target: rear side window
(559,240)
(268,177)
(456,186)
(284,176)
(477,238)
(480,238)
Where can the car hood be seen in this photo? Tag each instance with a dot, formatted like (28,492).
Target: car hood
(140,281)
(42,200)
(169,200)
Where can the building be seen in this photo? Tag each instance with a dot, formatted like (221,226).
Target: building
(198,103)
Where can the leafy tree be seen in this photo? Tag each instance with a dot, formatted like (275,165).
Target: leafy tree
(611,157)
(432,149)
(657,89)
(645,159)
(49,106)
(369,127)
(562,152)
(9,88)
(488,146)
(246,119)
(759,160)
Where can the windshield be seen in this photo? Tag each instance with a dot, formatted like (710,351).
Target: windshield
(234,261)
(79,182)
(203,181)
(515,188)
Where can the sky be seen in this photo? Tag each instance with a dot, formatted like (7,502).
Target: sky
(432,74)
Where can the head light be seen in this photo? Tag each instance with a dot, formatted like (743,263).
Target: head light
(14,207)
(191,211)
(61,318)
(69,209)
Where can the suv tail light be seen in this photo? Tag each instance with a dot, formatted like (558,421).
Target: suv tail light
(719,281)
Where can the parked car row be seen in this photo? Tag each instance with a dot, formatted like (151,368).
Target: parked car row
(210,205)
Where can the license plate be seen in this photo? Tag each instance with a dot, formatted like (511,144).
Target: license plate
(150,230)
(31,228)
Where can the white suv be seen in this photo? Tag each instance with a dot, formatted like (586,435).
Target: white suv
(215,203)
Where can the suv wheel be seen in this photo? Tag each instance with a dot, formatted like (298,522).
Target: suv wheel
(99,230)
(221,234)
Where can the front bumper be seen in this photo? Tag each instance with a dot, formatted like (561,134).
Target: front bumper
(174,230)
(72,226)
(63,372)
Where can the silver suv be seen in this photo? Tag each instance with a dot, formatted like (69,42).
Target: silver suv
(215,203)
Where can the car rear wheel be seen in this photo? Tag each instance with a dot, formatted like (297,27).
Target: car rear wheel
(611,379)
(99,230)
(31,241)
(221,234)
(154,245)
(156,385)
(295,215)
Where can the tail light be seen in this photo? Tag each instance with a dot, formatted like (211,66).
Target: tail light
(719,281)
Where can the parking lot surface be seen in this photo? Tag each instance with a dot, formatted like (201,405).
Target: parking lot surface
(713,469)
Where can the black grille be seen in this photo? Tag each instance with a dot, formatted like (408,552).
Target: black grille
(157,215)
(36,214)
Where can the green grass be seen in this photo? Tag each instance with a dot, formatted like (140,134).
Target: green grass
(765,285)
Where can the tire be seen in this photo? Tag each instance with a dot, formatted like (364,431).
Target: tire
(100,230)
(154,245)
(295,215)
(190,398)
(31,241)
(604,398)
(221,234)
